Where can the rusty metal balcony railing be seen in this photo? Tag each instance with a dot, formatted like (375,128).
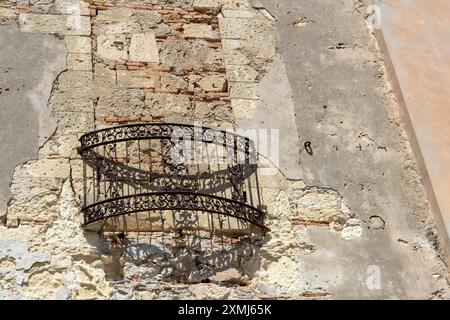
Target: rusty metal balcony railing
(159,177)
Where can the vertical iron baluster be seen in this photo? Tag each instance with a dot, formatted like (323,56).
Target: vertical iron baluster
(205,144)
(150,164)
(84,185)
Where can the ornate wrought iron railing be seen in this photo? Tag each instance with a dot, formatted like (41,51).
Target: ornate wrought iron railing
(165,176)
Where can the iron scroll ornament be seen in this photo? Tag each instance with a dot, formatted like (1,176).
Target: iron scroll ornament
(173,187)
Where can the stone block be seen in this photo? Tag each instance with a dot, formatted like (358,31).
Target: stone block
(248,14)
(234,52)
(122,102)
(60,145)
(79,61)
(317,207)
(72,7)
(137,78)
(259,35)
(76,44)
(231,275)
(144,48)
(127,21)
(213,83)
(69,80)
(45,168)
(181,53)
(241,73)
(112,47)
(216,112)
(62,24)
(199,30)
(104,76)
(63,103)
(208,4)
(244,90)
(244,109)
(170,81)
(236,4)
(6,13)
(73,122)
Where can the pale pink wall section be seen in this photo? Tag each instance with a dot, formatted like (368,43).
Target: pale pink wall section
(416,36)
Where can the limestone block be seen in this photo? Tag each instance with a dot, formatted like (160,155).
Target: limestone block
(243,109)
(63,24)
(213,83)
(181,53)
(6,13)
(163,104)
(60,146)
(104,76)
(170,81)
(231,275)
(199,30)
(137,78)
(144,48)
(319,207)
(76,44)
(61,103)
(352,229)
(79,61)
(75,122)
(259,35)
(234,52)
(248,14)
(244,90)
(237,28)
(122,102)
(35,195)
(125,20)
(236,4)
(70,80)
(44,168)
(43,285)
(72,7)
(207,4)
(113,47)
(213,111)
(241,73)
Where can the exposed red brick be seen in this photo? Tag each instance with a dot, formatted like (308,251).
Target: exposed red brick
(215,45)
(309,223)
(159,67)
(120,119)
(166,90)
(22,8)
(134,64)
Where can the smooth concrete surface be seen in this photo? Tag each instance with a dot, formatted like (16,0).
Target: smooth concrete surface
(29,64)
(416,40)
(275,90)
(344,107)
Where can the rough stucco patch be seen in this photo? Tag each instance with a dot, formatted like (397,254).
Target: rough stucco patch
(25,87)
(275,92)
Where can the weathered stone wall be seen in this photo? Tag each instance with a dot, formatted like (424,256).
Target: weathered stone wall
(169,60)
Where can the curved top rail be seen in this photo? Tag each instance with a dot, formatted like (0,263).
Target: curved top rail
(160,130)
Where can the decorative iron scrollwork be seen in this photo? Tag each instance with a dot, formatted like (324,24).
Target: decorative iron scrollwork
(156,167)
